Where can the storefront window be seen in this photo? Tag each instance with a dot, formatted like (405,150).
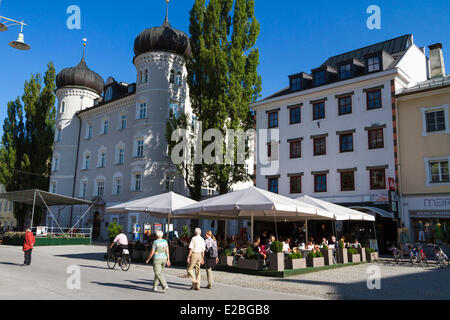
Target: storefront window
(431,230)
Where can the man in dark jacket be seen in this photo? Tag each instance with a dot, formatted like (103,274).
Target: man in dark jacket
(28,246)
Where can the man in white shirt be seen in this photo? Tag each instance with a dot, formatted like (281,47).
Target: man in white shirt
(122,242)
(196,258)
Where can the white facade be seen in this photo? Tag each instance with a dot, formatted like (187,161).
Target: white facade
(410,69)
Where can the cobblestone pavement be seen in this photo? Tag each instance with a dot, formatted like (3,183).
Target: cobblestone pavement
(402,281)
(46,279)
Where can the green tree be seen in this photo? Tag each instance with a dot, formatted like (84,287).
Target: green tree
(27,141)
(222,75)
(223,82)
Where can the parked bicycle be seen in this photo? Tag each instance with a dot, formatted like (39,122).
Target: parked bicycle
(441,257)
(119,255)
(395,252)
(417,255)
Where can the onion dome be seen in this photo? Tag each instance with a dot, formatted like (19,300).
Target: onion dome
(80,76)
(164,38)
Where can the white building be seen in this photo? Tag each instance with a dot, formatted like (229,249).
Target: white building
(110,142)
(332,132)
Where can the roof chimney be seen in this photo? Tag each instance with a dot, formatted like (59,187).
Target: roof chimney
(437,67)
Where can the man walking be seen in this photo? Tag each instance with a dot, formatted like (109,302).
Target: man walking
(28,246)
(196,258)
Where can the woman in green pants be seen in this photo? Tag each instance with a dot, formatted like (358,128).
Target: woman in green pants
(160,252)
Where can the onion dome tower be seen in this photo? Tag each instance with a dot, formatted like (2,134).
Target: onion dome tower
(78,88)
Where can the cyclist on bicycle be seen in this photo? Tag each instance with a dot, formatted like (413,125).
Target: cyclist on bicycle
(120,243)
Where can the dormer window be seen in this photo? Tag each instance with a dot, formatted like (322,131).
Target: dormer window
(108,95)
(373,64)
(296,84)
(345,71)
(319,78)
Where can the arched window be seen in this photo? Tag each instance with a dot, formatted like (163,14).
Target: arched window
(99,186)
(63,107)
(140,77)
(172,77)
(117,184)
(86,160)
(84,187)
(146,75)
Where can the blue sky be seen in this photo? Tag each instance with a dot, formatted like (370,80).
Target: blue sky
(295,35)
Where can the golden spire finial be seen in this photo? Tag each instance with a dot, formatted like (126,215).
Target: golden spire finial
(84,46)
(167,11)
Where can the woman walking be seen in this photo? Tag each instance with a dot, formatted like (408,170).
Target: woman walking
(212,257)
(160,252)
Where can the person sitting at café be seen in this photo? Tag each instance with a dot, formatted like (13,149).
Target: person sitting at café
(332,244)
(287,246)
(310,244)
(324,243)
(356,244)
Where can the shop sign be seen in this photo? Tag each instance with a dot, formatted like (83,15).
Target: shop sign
(429,214)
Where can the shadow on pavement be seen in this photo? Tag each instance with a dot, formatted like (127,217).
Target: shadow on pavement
(10,264)
(123,286)
(94,267)
(171,284)
(84,256)
(430,284)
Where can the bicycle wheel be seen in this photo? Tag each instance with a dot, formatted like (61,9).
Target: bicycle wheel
(424,262)
(125,262)
(111,261)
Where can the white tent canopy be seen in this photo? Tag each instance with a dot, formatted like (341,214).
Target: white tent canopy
(252,202)
(162,205)
(340,213)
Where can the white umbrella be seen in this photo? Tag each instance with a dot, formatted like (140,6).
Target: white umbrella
(160,205)
(252,202)
(340,213)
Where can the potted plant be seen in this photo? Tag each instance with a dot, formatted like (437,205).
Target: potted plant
(328,255)
(353,255)
(250,261)
(276,257)
(227,259)
(295,261)
(372,254)
(341,253)
(315,259)
(181,252)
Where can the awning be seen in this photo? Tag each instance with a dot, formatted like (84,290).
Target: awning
(374,211)
(43,198)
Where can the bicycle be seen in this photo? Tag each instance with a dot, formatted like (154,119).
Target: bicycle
(413,255)
(441,257)
(123,259)
(395,252)
(422,256)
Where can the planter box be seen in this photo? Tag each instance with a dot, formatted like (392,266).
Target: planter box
(43,242)
(354,258)
(276,261)
(226,261)
(295,264)
(373,256)
(181,254)
(250,264)
(328,255)
(362,252)
(341,255)
(315,262)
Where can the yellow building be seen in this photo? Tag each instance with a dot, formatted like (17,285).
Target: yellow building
(6,212)
(424,154)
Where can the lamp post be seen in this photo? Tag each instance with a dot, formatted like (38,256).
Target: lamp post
(19,44)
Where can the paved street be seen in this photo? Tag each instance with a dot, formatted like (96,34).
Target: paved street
(46,279)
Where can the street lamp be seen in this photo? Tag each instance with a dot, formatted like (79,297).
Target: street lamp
(19,44)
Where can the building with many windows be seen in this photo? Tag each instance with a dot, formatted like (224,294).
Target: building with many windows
(333,132)
(7,219)
(110,142)
(424,149)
